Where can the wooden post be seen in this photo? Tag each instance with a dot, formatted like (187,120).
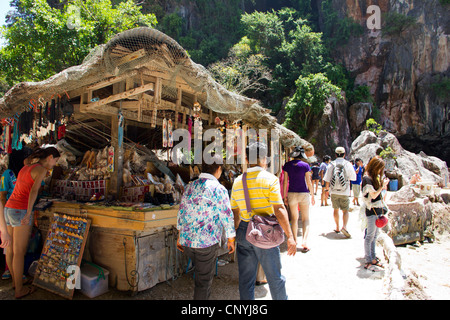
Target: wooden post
(117,175)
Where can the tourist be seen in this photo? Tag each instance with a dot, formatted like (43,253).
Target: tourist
(315,168)
(5,238)
(265,199)
(17,159)
(372,187)
(356,185)
(204,212)
(300,192)
(19,213)
(339,174)
(323,170)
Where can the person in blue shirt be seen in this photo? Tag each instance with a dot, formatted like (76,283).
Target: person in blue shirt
(356,185)
(17,159)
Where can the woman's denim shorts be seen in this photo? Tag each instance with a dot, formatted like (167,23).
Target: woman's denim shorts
(13,217)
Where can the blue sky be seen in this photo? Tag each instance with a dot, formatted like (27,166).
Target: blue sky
(4,8)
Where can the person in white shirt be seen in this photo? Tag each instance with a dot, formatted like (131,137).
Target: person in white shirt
(339,187)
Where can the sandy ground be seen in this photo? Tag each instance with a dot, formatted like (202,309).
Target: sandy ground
(331,270)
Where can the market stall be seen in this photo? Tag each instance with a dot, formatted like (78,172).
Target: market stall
(113,119)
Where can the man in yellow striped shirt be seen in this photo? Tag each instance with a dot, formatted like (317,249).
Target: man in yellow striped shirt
(265,199)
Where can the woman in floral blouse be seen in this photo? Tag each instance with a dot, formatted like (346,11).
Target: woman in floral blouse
(204,212)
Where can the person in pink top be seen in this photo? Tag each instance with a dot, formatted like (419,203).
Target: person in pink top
(18,213)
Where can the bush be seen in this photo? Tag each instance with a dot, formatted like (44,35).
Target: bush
(395,23)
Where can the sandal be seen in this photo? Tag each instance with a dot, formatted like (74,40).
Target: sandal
(378,263)
(304,249)
(369,267)
(30,291)
(345,232)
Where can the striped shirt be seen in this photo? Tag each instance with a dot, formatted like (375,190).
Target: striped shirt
(264,192)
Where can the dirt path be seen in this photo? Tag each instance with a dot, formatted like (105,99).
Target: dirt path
(331,270)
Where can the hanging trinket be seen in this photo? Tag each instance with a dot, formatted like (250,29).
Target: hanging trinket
(164,133)
(120,118)
(111,159)
(170,133)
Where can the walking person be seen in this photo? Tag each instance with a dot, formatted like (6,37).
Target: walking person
(19,213)
(373,186)
(337,179)
(204,212)
(265,199)
(356,185)
(300,193)
(323,170)
(315,177)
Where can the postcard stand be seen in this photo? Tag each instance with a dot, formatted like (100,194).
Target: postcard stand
(62,254)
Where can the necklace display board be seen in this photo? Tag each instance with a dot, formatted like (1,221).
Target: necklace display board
(58,269)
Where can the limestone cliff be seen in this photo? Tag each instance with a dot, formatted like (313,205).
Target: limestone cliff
(407,69)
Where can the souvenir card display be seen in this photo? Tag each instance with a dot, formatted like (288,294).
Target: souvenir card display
(62,254)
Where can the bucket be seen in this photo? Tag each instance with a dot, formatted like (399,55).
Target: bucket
(393,185)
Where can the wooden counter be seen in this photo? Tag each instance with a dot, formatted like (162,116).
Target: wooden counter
(138,248)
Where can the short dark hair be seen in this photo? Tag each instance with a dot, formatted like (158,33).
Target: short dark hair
(326,158)
(257,148)
(211,168)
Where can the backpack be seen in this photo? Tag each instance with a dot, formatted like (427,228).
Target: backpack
(339,180)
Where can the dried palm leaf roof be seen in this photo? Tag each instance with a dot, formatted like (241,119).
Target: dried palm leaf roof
(158,54)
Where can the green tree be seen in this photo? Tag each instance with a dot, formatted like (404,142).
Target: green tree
(42,40)
(291,47)
(308,101)
(242,72)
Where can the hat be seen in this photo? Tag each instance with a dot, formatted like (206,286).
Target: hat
(298,151)
(339,150)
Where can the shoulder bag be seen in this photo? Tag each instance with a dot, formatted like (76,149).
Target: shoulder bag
(382,220)
(263,231)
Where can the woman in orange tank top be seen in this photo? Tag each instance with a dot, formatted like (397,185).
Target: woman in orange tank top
(18,213)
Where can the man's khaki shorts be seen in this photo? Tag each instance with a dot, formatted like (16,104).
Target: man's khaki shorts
(340,202)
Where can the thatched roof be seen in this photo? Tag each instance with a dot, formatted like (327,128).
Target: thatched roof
(155,53)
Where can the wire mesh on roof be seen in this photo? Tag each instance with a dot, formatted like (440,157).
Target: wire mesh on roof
(148,51)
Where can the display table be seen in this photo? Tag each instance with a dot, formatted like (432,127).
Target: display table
(137,247)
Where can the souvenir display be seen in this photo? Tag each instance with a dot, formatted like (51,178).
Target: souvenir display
(170,133)
(62,252)
(164,133)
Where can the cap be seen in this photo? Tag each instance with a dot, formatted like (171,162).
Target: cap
(340,150)
(298,152)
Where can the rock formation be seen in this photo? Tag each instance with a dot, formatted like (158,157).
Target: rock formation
(407,70)
(368,145)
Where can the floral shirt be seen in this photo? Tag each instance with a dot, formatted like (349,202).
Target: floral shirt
(204,212)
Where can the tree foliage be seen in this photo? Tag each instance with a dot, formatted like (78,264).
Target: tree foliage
(242,72)
(309,100)
(291,47)
(42,40)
